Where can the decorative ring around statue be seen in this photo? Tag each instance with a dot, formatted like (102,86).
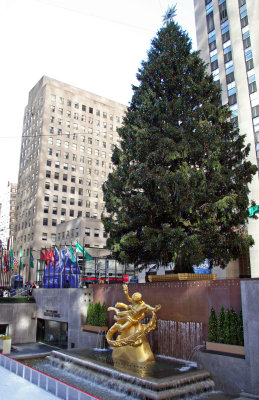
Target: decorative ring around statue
(134,339)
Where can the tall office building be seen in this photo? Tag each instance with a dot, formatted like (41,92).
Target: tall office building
(67,141)
(228,38)
(7,213)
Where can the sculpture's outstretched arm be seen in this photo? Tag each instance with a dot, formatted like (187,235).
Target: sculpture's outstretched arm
(126,291)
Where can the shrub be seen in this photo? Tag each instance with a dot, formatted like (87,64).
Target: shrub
(226,327)
(240,330)
(97,314)
(212,330)
(233,327)
(220,326)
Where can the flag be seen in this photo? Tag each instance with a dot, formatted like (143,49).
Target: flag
(51,256)
(11,258)
(47,257)
(72,255)
(80,249)
(57,258)
(20,257)
(42,256)
(253,210)
(31,260)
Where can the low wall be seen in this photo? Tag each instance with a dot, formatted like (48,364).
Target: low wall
(45,382)
(21,318)
(70,306)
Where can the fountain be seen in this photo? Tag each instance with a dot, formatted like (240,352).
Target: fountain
(130,368)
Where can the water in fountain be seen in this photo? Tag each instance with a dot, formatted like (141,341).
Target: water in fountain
(89,370)
(101,342)
(176,339)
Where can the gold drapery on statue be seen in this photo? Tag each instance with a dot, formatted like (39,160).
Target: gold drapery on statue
(131,343)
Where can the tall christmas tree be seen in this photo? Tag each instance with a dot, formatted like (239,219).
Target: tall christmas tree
(181,181)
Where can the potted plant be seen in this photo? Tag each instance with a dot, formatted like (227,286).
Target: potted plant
(225,332)
(5,344)
(96,318)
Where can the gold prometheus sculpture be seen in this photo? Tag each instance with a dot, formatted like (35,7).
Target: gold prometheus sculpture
(131,344)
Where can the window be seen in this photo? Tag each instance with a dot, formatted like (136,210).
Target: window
(79,214)
(76,115)
(64,188)
(57,164)
(53,237)
(48,163)
(72,190)
(77,105)
(80,203)
(252,87)
(71,213)
(65,166)
(87,214)
(45,221)
(232,99)
(72,201)
(91,110)
(80,181)
(54,210)
(52,108)
(83,107)
(56,175)
(46,197)
(55,198)
(54,222)
(80,191)
(47,185)
(255,111)
(63,211)
(48,174)
(55,186)
(46,209)
(64,200)
(87,231)
(44,236)
(96,233)
(66,155)
(73,179)
(60,111)
(50,140)
(98,113)
(58,142)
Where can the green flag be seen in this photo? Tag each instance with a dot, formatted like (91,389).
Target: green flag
(20,257)
(253,210)
(11,257)
(80,249)
(72,255)
(31,260)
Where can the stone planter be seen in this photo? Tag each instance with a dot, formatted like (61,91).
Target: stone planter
(5,344)
(225,348)
(96,329)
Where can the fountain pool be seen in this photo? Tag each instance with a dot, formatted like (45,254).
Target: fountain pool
(90,370)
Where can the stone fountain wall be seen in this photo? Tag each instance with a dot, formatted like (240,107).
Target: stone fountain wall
(183,319)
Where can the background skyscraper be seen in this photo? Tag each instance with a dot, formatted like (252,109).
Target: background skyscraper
(227,36)
(67,141)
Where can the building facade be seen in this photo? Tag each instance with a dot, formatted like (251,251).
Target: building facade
(7,213)
(67,142)
(228,39)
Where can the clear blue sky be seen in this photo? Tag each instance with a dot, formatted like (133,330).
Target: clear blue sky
(94,45)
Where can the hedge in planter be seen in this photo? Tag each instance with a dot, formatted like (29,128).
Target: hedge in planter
(96,314)
(226,328)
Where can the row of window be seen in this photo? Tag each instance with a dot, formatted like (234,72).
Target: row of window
(81,147)
(83,107)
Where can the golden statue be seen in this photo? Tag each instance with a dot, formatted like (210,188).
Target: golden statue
(132,344)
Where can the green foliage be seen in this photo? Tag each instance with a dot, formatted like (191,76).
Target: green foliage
(4,337)
(233,327)
(17,300)
(212,331)
(181,180)
(240,330)
(97,314)
(226,328)
(227,321)
(220,327)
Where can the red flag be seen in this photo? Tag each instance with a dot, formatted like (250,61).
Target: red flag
(42,255)
(51,255)
(47,257)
